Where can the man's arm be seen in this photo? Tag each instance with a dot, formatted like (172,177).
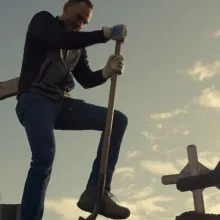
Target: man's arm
(45,27)
(84,75)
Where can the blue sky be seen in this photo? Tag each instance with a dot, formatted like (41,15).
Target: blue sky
(169,91)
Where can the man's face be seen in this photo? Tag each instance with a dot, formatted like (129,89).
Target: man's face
(77,15)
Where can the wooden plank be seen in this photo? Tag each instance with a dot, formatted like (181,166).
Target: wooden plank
(185,169)
(173,178)
(9,212)
(8,88)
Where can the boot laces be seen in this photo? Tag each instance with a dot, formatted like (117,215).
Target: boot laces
(111,195)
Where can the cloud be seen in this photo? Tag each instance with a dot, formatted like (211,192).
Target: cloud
(159,126)
(66,208)
(155,148)
(216,34)
(209,98)
(126,172)
(212,203)
(143,193)
(158,167)
(125,191)
(168,115)
(150,205)
(207,158)
(181,130)
(133,194)
(212,35)
(187,132)
(132,154)
(151,137)
(201,71)
(141,209)
(172,151)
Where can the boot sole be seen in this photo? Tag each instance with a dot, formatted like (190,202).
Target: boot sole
(90,210)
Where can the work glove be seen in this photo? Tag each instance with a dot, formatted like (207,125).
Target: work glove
(115,64)
(117,32)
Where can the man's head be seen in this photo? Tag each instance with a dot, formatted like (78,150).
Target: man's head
(77,13)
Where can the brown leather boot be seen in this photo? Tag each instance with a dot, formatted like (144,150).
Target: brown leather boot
(109,208)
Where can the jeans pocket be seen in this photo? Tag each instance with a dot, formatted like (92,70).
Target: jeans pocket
(24,103)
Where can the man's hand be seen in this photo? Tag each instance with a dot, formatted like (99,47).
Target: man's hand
(117,32)
(115,64)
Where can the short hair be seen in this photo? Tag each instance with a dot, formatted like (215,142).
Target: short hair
(88,2)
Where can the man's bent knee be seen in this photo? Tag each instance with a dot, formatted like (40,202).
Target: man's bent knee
(44,166)
(120,119)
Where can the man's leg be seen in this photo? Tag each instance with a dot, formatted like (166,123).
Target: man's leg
(78,115)
(37,114)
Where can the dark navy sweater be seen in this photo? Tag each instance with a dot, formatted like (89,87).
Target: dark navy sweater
(46,35)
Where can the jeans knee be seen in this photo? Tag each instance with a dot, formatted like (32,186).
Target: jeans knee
(120,119)
(44,162)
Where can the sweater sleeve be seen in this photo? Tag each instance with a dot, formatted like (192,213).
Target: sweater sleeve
(84,75)
(45,27)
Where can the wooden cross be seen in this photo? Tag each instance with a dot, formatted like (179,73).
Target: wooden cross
(193,167)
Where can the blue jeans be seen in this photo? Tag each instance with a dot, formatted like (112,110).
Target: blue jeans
(40,116)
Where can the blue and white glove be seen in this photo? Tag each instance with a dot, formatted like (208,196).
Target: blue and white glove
(117,32)
(115,64)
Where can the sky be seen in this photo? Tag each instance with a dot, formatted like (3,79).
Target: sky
(170,91)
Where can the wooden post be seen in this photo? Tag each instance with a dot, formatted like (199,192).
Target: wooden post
(194,170)
(10,211)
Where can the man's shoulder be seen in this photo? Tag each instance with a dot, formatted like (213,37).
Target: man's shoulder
(43,15)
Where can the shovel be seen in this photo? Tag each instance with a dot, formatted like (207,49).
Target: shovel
(106,142)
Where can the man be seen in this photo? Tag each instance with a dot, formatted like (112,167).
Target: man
(54,53)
